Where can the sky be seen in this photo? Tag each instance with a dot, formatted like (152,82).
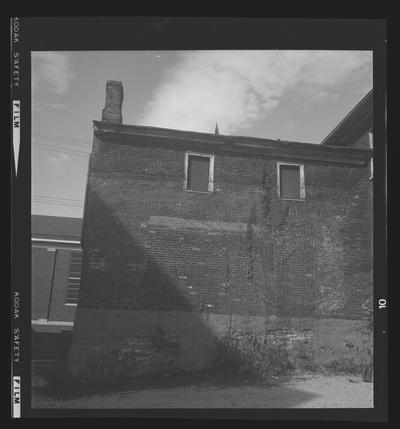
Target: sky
(287,95)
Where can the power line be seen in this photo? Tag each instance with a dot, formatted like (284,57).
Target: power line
(57,147)
(53,197)
(58,204)
(48,140)
(75,152)
(55,136)
(49,201)
(56,198)
(43,140)
(58,136)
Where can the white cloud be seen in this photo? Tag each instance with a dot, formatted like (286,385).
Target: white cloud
(58,162)
(56,106)
(323,97)
(236,88)
(51,72)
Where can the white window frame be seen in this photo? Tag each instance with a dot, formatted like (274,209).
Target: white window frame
(302,182)
(73,277)
(371,146)
(210,171)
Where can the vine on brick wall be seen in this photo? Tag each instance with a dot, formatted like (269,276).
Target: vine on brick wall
(252,220)
(228,276)
(269,216)
(266,188)
(274,217)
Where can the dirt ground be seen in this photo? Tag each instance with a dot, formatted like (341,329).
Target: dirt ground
(306,391)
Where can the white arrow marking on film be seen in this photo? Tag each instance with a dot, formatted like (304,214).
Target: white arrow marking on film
(16,131)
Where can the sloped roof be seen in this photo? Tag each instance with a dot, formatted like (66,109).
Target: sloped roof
(358,121)
(55,227)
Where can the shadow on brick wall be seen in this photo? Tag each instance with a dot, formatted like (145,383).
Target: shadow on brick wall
(131,317)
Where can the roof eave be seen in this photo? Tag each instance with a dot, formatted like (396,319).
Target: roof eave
(358,120)
(234,144)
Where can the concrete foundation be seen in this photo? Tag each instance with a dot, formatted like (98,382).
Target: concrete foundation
(129,342)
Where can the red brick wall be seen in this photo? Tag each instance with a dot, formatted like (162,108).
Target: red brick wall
(140,253)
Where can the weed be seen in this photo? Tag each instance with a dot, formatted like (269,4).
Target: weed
(249,355)
(345,365)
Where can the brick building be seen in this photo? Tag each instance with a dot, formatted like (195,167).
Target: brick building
(56,267)
(189,235)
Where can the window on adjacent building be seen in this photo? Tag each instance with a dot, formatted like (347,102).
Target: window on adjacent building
(199,171)
(371,146)
(291,181)
(74,279)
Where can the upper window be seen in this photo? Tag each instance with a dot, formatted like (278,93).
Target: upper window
(199,172)
(291,181)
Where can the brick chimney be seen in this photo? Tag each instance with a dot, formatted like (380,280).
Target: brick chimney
(112,111)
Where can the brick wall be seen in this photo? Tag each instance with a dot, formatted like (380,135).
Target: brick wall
(150,245)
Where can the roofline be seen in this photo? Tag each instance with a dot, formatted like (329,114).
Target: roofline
(349,118)
(56,217)
(233,144)
(52,240)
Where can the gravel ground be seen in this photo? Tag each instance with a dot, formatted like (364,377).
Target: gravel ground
(307,391)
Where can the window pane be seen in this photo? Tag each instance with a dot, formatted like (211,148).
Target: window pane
(290,181)
(73,284)
(198,173)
